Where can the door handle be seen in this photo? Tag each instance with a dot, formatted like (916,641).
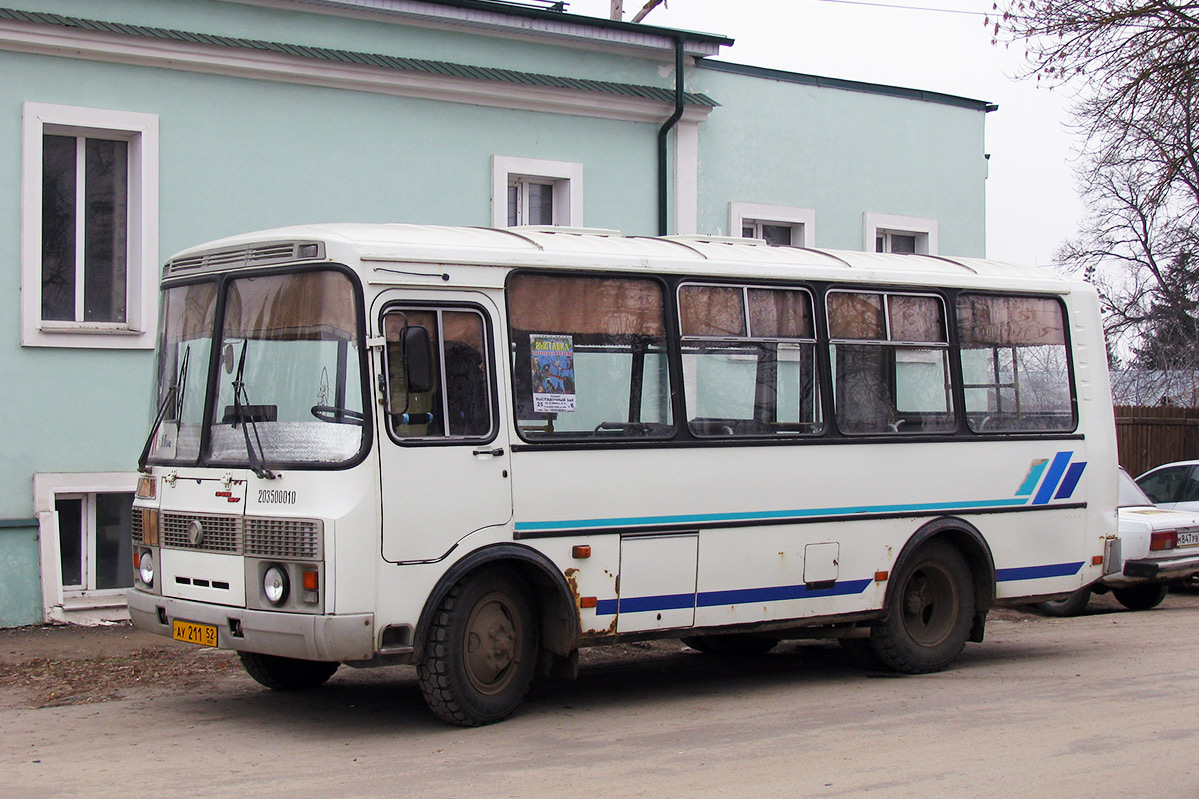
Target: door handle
(495,453)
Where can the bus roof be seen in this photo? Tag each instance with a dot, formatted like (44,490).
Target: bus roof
(594,248)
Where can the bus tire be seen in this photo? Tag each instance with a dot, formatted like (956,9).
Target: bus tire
(931,612)
(481,650)
(1072,605)
(286,674)
(1145,596)
(732,644)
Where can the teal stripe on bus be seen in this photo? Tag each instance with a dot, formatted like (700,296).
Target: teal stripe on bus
(766,515)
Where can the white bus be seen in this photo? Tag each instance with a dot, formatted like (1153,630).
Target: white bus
(477,451)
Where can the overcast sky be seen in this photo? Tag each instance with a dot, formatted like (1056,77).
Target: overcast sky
(1032,205)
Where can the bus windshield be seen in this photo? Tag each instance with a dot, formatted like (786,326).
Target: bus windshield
(288,382)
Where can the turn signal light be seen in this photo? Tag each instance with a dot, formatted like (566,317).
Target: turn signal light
(149,527)
(1164,539)
(311,581)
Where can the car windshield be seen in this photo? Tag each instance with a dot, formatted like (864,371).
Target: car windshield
(288,385)
(1130,493)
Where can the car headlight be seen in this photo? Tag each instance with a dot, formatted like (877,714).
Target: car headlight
(275,585)
(145,569)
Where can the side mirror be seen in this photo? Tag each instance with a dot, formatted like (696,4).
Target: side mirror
(418,370)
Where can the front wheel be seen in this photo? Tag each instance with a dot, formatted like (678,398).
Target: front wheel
(1072,605)
(930,614)
(286,674)
(1145,596)
(480,651)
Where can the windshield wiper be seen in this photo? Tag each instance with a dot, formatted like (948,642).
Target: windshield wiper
(177,390)
(257,464)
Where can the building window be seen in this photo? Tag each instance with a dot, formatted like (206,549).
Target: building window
(89,227)
(84,523)
(95,550)
(776,224)
(901,234)
(529,191)
(530,202)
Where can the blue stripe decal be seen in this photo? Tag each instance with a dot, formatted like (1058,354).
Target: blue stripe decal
(708,599)
(783,593)
(1052,478)
(1035,470)
(1073,475)
(779,593)
(769,515)
(1037,572)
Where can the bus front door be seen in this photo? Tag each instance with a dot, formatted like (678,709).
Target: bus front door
(444,452)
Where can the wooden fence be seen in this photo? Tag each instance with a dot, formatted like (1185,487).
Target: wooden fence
(1150,436)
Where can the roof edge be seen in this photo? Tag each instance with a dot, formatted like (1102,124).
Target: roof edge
(847,85)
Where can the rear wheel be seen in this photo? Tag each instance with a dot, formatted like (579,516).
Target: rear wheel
(931,612)
(480,651)
(1072,605)
(286,674)
(733,644)
(1141,597)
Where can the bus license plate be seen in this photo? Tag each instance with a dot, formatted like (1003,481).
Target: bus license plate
(192,633)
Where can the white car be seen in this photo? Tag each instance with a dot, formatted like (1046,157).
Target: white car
(1154,547)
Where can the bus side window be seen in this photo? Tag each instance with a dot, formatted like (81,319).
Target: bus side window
(749,361)
(1014,363)
(589,357)
(890,360)
(458,402)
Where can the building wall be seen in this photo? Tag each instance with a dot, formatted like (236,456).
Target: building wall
(843,153)
(242,153)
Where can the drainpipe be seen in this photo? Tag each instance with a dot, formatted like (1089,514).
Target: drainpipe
(663,132)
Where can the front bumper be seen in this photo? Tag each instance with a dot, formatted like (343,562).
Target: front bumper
(293,635)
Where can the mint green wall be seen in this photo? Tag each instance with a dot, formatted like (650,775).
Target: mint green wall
(239,154)
(312,27)
(20,583)
(842,153)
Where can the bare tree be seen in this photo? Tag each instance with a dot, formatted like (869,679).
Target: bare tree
(1133,66)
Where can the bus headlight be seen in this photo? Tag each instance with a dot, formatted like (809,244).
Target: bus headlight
(275,585)
(145,569)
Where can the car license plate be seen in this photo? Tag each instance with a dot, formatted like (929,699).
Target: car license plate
(1188,538)
(192,633)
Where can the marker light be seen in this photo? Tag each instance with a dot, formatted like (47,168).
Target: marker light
(145,569)
(274,585)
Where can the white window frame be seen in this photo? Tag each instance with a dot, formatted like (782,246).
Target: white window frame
(925,231)
(565,176)
(141,132)
(59,604)
(801,220)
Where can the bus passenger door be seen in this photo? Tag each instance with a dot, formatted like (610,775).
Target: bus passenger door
(444,453)
(657,582)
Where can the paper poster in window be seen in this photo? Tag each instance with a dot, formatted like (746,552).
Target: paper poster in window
(553,359)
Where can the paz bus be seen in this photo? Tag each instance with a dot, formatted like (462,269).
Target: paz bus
(476,451)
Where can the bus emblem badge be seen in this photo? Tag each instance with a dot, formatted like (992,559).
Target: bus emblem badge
(195,532)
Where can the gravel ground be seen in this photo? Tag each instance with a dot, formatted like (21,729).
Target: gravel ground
(56,665)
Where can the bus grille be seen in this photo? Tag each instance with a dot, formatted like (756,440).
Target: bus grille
(220,533)
(135,524)
(260,537)
(283,538)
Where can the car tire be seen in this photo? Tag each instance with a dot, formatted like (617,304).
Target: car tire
(1142,597)
(1072,605)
